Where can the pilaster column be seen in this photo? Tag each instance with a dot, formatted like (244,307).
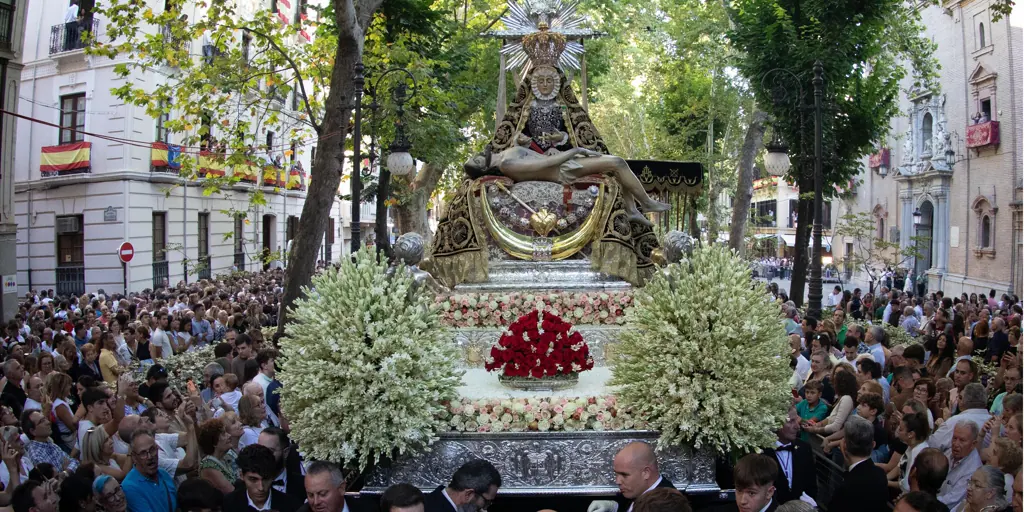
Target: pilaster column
(941,229)
(907,227)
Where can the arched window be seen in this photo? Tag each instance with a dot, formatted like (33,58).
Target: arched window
(926,135)
(986,231)
(981,34)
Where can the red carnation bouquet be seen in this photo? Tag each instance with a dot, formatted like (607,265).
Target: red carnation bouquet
(540,344)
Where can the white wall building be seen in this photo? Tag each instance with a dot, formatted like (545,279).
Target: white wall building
(71,221)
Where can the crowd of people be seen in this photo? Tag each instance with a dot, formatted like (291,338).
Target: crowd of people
(932,424)
(89,420)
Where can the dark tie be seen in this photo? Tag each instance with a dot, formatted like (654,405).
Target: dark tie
(785,448)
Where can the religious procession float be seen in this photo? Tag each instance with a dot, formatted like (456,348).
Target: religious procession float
(547,325)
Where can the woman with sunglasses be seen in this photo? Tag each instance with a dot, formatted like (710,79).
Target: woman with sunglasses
(109,495)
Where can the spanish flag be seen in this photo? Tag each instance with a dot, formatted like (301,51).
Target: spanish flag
(270,176)
(209,165)
(66,158)
(295,181)
(165,155)
(246,173)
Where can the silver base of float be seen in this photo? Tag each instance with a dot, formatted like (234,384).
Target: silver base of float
(545,463)
(524,276)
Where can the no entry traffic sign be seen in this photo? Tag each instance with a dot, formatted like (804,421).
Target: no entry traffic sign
(126,252)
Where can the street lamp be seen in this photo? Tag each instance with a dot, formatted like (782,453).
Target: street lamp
(917,218)
(399,161)
(774,159)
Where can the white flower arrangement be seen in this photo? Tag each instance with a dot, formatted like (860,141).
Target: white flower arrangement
(180,368)
(705,358)
(549,414)
(367,369)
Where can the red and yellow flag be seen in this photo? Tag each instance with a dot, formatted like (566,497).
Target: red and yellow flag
(271,176)
(246,173)
(65,158)
(295,181)
(209,165)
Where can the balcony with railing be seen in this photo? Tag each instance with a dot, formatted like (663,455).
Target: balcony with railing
(65,159)
(68,37)
(175,41)
(6,25)
(70,280)
(161,274)
(240,261)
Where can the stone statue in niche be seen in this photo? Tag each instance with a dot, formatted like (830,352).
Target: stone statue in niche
(908,147)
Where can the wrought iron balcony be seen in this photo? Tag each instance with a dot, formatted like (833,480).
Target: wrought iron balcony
(6,25)
(161,274)
(204,271)
(70,280)
(68,37)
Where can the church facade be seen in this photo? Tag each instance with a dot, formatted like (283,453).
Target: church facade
(953,160)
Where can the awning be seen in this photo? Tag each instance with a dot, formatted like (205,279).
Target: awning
(790,241)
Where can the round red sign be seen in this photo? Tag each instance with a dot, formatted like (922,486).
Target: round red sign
(125,252)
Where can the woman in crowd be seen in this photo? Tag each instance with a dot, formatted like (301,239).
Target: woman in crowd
(251,413)
(1005,455)
(11,437)
(109,494)
(215,443)
(90,365)
(58,389)
(942,355)
(924,392)
(46,365)
(98,449)
(913,433)
(821,369)
(107,362)
(846,398)
(985,492)
(142,352)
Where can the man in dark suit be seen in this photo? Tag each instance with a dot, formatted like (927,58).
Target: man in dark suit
(754,476)
(865,487)
(473,487)
(636,472)
(795,462)
(402,498)
(256,464)
(289,474)
(325,490)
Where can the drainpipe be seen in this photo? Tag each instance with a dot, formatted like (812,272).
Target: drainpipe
(1014,234)
(967,115)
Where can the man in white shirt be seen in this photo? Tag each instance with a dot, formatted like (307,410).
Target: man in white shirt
(33,390)
(835,297)
(963,462)
(160,345)
(264,378)
(179,452)
(973,410)
(754,476)
(803,366)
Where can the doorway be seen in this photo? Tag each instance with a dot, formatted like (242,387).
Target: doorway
(269,232)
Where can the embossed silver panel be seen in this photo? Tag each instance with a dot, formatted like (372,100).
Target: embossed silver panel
(549,463)
(476,342)
(568,275)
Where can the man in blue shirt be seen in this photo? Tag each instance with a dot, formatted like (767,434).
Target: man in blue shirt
(147,488)
(201,326)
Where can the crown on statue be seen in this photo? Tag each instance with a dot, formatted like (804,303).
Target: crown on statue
(544,47)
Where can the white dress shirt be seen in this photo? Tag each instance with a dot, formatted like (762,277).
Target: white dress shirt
(649,489)
(266,505)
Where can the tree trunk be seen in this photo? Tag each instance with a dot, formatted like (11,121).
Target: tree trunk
(411,216)
(752,143)
(325,172)
(804,221)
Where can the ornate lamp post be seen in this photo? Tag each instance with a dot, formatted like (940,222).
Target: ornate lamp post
(777,161)
(399,161)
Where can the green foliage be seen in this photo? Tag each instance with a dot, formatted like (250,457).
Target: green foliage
(706,358)
(863,47)
(367,365)
(872,253)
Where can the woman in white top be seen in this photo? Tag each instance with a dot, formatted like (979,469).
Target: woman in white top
(58,388)
(846,396)
(914,431)
(98,449)
(251,414)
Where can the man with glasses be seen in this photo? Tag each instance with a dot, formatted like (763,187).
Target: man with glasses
(147,488)
(473,487)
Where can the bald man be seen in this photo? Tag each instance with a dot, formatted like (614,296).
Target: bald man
(636,472)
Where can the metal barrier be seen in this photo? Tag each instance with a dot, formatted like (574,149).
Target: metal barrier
(829,469)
